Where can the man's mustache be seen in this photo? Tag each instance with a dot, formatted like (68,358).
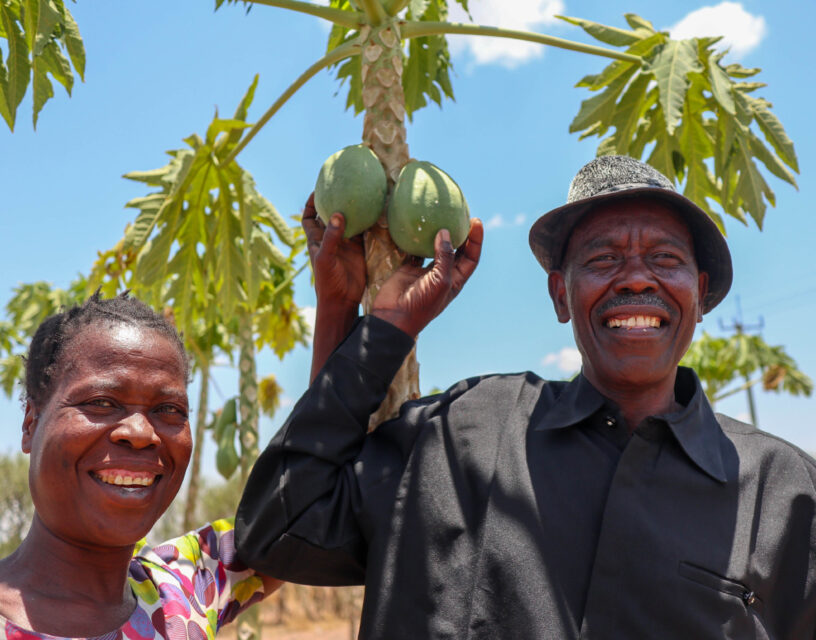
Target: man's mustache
(625,299)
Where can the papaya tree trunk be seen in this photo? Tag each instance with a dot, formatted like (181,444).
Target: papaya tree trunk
(384,131)
(198,445)
(249,622)
(248,397)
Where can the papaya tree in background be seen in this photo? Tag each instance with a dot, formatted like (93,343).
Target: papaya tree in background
(41,40)
(28,307)
(672,101)
(201,246)
(727,366)
(16,506)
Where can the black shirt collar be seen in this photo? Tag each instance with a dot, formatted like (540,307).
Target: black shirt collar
(694,426)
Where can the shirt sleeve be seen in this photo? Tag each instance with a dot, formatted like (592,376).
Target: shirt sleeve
(202,566)
(296,520)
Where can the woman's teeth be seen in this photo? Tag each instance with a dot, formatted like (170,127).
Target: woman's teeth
(634,322)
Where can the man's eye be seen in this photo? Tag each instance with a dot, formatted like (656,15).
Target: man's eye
(666,256)
(604,257)
(100,402)
(172,409)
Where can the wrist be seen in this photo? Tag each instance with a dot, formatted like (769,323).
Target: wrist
(398,320)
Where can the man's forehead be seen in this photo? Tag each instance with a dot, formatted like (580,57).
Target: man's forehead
(644,214)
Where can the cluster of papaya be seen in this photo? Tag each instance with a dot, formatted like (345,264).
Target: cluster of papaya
(424,200)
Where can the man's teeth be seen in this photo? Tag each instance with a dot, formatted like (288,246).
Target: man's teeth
(126,481)
(634,322)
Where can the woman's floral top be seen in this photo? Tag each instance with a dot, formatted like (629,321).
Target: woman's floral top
(188,587)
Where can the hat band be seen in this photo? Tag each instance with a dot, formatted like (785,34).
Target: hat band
(626,186)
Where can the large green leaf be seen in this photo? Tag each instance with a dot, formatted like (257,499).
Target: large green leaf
(38,34)
(670,67)
(693,119)
(200,243)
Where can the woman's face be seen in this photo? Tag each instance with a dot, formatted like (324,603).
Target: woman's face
(110,445)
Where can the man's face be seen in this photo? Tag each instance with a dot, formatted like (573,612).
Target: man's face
(629,283)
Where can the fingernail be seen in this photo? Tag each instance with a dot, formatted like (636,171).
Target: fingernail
(336,220)
(445,235)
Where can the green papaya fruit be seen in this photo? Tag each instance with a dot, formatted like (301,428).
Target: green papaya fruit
(228,415)
(351,181)
(226,458)
(426,199)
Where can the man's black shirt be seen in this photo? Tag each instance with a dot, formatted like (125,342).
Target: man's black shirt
(512,507)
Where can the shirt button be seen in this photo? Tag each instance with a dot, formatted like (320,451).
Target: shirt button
(611,422)
(749,598)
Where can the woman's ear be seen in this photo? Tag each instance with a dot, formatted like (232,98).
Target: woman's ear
(29,425)
(558,292)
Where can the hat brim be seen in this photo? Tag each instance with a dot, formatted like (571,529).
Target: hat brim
(550,233)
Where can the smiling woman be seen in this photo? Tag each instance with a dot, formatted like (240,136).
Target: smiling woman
(107,430)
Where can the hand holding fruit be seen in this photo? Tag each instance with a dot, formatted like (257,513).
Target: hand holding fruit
(339,264)
(413,295)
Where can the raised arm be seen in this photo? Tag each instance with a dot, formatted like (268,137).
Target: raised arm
(299,518)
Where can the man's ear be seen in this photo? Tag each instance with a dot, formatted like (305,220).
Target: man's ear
(558,292)
(29,425)
(703,292)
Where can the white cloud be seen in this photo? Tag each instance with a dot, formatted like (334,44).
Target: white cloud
(309,316)
(567,360)
(523,15)
(286,402)
(741,31)
(498,221)
(495,222)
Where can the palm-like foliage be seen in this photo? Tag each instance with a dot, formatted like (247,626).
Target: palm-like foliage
(42,40)
(672,101)
(743,358)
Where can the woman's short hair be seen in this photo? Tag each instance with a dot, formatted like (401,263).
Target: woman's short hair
(56,332)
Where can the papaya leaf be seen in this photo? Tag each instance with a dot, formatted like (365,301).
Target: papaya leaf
(775,133)
(599,108)
(638,23)
(721,85)
(670,66)
(609,35)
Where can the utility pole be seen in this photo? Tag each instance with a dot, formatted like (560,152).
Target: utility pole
(739,328)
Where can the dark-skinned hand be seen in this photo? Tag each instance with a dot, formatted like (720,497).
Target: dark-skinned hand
(339,265)
(413,295)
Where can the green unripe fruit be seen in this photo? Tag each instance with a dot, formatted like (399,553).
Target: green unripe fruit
(425,200)
(352,181)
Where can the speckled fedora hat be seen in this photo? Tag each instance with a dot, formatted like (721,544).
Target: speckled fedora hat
(608,178)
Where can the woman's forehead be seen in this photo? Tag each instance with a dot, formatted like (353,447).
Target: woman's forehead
(122,344)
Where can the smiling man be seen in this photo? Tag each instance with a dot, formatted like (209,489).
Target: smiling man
(616,505)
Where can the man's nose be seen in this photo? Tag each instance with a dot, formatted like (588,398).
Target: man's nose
(635,277)
(137,431)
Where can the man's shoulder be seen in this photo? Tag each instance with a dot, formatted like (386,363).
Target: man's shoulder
(766,449)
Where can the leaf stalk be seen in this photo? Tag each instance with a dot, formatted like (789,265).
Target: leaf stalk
(336,16)
(414,29)
(335,55)
(374,10)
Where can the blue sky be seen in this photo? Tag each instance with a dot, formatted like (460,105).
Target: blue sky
(157,70)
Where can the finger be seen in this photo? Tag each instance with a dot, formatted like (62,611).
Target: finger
(332,237)
(444,255)
(313,227)
(467,257)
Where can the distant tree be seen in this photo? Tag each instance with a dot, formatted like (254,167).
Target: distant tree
(16,507)
(727,366)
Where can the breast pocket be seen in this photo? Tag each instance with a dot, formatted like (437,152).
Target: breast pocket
(717,582)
